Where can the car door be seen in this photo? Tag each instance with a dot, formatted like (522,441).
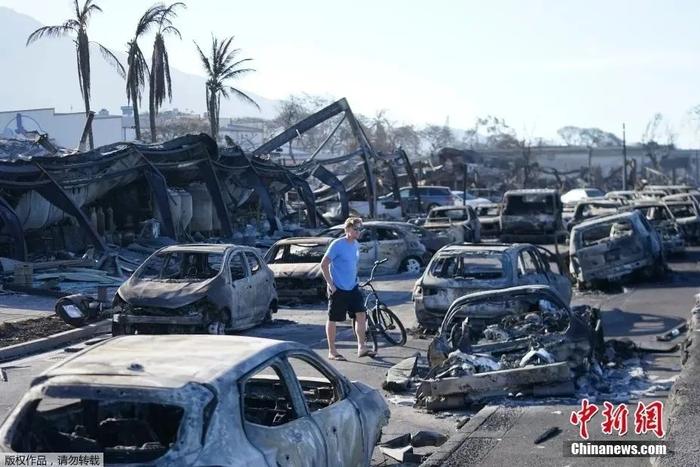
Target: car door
(390,245)
(334,414)
(276,421)
(555,273)
(530,269)
(368,250)
(242,293)
(261,281)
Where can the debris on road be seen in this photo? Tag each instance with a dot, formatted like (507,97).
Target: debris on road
(400,376)
(673,332)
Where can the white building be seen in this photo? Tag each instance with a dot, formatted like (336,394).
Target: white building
(65,129)
(248,136)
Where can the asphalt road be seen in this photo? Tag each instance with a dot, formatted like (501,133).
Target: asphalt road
(638,311)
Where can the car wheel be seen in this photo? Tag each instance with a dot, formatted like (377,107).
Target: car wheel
(411,264)
(217,328)
(271,309)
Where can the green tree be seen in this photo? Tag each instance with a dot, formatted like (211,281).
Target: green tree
(137,67)
(222,66)
(159,83)
(77,27)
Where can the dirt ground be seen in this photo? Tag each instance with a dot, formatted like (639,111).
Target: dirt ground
(27,330)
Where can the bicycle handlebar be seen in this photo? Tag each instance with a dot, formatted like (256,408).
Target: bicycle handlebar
(371,274)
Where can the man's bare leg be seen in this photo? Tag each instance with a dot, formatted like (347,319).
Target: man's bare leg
(360,328)
(330,335)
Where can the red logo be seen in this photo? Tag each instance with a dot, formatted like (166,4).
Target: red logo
(615,419)
(647,418)
(583,416)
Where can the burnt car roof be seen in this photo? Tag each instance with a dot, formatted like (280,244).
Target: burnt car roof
(461,247)
(375,224)
(150,361)
(305,240)
(602,219)
(532,191)
(204,247)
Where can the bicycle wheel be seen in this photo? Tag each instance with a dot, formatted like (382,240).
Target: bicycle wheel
(390,326)
(370,334)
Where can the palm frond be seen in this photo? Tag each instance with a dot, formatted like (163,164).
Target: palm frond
(110,58)
(204,59)
(172,30)
(48,31)
(244,96)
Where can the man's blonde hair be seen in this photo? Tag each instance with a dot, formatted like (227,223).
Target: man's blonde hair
(354,222)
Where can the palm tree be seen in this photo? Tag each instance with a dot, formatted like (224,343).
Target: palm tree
(78,26)
(159,76)
(220,67)
(137,67)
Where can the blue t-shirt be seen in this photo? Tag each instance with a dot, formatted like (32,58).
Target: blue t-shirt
(344,256)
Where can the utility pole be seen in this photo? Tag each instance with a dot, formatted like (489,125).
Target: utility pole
(624,159)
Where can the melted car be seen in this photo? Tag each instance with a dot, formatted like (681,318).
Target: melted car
(380,240)
(456,224)
(207,288)
(614,247)
(198,401)
(663,221)
(296,265)
(520,339)
(532,213)
(456,270)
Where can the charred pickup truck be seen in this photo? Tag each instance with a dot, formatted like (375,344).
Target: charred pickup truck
(206,288)
(456,224)
(456,270)
(520,339)
(661,218)
(296,265)
(529,215)
(198,401)
(614,247)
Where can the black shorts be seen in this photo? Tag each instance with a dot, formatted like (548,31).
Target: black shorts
(345,301)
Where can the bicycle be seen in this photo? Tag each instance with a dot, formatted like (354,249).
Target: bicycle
(380,319)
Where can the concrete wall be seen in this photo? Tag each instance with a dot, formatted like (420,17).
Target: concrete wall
(64,128)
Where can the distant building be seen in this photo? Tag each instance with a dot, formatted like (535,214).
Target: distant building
(65,129)
(247,135)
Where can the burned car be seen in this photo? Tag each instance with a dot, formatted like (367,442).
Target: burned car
(489,219)
(456,224)
(296,265)
(661,218)
(205,288)
(198,401)
(687,214)
(614,247)
(520,339)
(589,209)
(531,214)
(457,270)
(380,240)
(622,196)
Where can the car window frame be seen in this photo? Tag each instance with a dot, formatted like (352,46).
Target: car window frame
(257,258)
(245,263)
(335,380)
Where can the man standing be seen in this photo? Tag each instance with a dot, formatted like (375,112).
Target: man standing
(339,267)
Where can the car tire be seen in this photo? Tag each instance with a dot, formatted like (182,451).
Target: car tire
(216,328)
(271,309)
(411,264)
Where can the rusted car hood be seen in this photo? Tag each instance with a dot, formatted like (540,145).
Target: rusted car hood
(164,294)
(296,270)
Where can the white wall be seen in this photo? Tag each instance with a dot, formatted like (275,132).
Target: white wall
(64,128)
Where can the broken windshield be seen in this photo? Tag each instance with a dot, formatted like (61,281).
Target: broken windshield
(181,266)
(605,231)
(299,253)
(125,431)
(682,210)
(479,266)
(530,204)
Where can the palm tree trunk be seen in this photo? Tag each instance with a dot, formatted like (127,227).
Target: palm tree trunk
(152,111)
(137,121)
(86,99)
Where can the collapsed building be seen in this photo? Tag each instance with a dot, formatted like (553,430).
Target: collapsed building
(56,200)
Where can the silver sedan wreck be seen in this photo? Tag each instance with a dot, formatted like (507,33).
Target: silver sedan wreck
(296,265)
(614,247)
(456,270)
(521,339)
(205,288)
(198,401)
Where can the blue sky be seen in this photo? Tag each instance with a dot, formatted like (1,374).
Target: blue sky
(540,65)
